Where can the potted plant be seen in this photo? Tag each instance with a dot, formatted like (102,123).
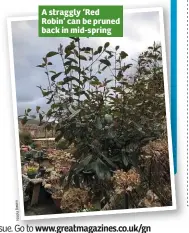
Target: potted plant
(32,172)
(57,197)
(42,171)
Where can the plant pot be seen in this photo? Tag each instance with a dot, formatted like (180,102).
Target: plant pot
(42,171)
(32,176)
(57,202)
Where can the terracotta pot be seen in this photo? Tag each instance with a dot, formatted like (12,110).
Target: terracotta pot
(32,176)
(57,202)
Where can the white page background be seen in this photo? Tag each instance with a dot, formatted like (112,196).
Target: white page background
(160,221)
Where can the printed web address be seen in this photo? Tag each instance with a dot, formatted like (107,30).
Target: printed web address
(92,229)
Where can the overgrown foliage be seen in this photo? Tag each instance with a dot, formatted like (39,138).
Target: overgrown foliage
(62,144)
(107,113)
(25,138)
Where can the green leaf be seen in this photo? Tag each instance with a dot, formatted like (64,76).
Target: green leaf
(76,68)
(82,57)
(123,55)
(101,170)
(99,49)
(69,48)
(46,93)
(72,111)
(104,68)
(125,160)
(83,163)
(117,47)
(74,114)
(117,89)
(119,76)
(50,100)
(49,113)
(51,54)
(67,71)
(95,53)
(133,159)
(28,110)
(88,49)
(125,67)
(71,78)
(84,93)
(55,76)
(68,54)
(107,81)
(53,106)
(109,162)
(85,78)
(72,60)
(52,71)
(49,63)
(45,60)
(106,62)
(67,63)
(98,123)
(110,56)
(41,66)
(106,45)
(76,53)
(82,49)
(108,52)
(61,83)
(83,72)
(95,82)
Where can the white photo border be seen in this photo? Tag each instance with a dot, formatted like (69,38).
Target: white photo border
(15,116)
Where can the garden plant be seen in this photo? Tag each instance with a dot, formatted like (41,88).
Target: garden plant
(107,107)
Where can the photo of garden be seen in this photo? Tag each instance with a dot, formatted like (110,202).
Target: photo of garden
(92,121)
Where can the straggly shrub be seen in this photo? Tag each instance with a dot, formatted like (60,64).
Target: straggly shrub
(25,138)
(158,149)
(62,144)
(58,194)
(150,200)
(155,168)
(125,181)
(96,105)
(74,200)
